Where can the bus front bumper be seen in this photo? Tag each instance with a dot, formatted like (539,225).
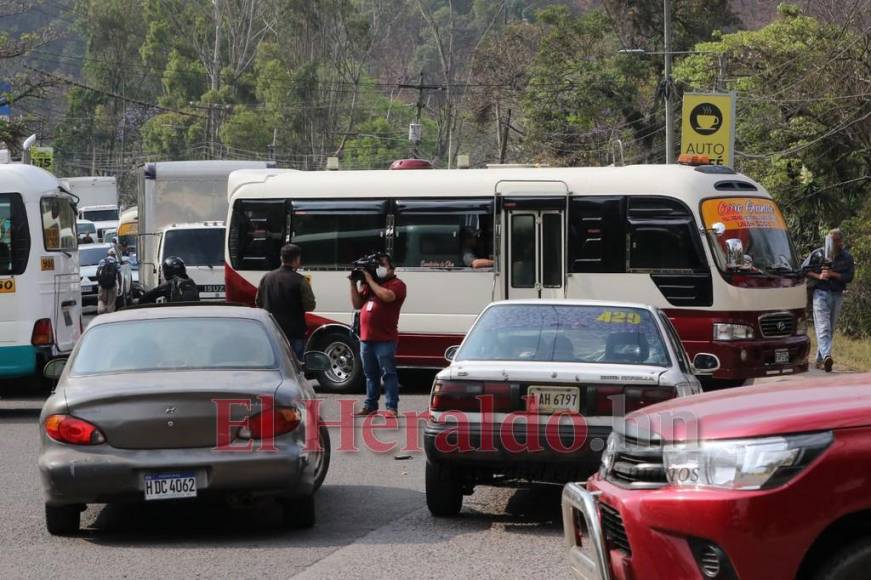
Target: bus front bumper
(748,359)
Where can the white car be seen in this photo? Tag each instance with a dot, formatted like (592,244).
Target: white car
(532,393)
(104,217)
(89,260)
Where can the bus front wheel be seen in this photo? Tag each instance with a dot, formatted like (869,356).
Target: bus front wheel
(345,373)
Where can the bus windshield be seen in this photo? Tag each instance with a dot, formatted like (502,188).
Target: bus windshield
(759,227)
(101,215)
(196,247)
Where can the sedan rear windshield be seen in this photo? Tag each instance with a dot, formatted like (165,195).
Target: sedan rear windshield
(588,334)
(174,344)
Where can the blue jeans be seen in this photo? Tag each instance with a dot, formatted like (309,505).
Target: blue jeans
(298,345)
(826,307)
(379,363)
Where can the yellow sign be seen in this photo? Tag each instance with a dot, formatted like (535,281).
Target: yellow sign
(7,286)
(742,213)
(46,263)
(42,157)
(708,127)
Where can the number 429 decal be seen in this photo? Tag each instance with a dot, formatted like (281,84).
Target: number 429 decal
(618,317)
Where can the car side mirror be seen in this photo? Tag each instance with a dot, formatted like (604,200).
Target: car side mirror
(734,253)
(705,364)
(316,361)
(451,352)
(54,368)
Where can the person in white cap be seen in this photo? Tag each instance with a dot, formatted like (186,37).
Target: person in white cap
(108,276)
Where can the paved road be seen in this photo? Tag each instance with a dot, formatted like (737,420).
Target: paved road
(372,523)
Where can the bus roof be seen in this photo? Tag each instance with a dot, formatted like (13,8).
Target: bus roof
(677,180)
(26,179)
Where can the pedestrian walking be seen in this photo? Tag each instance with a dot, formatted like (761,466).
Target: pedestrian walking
(108,281)
(287,295)
(379,299)
(830,268)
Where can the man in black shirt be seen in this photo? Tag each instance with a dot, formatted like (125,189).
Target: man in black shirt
(287,295)
(831,281)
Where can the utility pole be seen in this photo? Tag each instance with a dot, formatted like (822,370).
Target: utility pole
(503,150)
(216,74)
(669,114)
(415,131)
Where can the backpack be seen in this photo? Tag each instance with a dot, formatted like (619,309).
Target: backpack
(183,290)
(107,274)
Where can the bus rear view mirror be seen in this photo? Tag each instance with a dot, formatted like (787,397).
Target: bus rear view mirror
(734,253)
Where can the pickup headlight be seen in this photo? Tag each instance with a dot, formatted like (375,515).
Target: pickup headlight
(727,331)
(608,455)
(742,464)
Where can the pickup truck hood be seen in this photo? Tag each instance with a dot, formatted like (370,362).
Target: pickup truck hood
(526,371)
(840,402)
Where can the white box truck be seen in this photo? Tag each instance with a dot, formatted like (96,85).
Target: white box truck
(177,196)
(98,201)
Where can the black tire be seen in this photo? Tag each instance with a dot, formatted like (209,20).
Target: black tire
(321,471)
(346,372)
(851,563)
(444,494)
(62,520)
(299,513)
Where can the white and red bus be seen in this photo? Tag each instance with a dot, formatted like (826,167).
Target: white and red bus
(706,244)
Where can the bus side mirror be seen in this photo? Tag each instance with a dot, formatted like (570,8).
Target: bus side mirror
(734,253)
(451,352)
(705,364)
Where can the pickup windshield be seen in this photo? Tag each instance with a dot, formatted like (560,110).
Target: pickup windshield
(760,228)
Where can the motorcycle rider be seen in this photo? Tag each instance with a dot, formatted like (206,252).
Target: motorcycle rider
(176,286)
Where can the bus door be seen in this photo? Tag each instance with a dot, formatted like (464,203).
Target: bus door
(534,218)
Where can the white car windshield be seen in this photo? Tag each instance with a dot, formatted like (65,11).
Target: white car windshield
(91,256)
(589,334)
(174,344)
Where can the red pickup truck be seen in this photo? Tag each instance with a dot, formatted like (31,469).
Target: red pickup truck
(768,482)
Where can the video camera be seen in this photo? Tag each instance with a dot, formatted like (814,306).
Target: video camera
(369,263)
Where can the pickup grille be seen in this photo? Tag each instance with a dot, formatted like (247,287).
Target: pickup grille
(779,324)
(637,464)
(615,532)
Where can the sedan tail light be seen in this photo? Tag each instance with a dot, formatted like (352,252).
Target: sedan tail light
(69,429)
(271,422)
(638,397)
(468,395)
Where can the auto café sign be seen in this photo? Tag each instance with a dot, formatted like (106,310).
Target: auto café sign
(708,126)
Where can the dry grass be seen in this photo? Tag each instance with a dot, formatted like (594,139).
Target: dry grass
(850,354)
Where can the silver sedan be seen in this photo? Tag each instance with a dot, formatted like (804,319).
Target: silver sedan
(169,403)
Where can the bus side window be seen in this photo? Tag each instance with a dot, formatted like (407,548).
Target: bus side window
(257,231)
(662,236)
(444,233)
(14,235)
(597,234)
(334,233)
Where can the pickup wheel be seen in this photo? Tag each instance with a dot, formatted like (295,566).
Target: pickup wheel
(298,513)
(851,563)
(444,493)
(62,520)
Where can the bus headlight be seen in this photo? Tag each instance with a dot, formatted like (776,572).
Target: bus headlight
(742,464)
(728,331)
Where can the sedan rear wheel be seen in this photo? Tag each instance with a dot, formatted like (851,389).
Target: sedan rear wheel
(62,520)
(321,459)
(444,493)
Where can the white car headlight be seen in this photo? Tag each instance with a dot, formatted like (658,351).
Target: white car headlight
(742,464)
(727,331)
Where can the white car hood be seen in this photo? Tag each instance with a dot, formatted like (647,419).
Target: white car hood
(534,371)
(87,271)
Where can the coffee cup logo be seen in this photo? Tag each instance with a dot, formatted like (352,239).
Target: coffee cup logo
(706,119)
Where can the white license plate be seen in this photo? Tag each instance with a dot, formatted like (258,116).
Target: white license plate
(552,399)
(89,290)
(781,356)
(170,485)
(215,288)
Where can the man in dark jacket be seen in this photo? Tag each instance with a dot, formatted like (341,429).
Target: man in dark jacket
(287,295)
(831,279)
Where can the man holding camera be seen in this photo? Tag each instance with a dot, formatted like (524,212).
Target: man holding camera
(379,299)
(831,268)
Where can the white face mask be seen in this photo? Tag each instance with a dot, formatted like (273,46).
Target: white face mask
(381,272)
